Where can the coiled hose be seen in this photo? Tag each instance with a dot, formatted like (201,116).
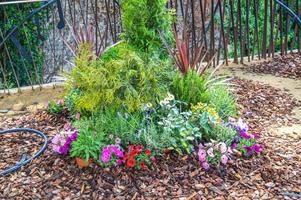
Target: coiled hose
(24,159)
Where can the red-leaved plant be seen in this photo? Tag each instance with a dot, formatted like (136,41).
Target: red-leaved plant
(187,58)
(138,157)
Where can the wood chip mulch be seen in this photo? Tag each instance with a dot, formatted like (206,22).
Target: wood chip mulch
(274,175)
(284,66)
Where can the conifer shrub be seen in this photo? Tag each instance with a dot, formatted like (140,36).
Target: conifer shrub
(143,20)
(118,79)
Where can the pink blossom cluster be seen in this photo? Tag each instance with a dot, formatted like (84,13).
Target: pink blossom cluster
(61,142)
(210,153)
(112,153)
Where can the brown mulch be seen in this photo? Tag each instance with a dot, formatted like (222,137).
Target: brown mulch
(285,66)
(263,106)
(274,175)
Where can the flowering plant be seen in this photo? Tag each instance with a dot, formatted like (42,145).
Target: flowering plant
(111,155)
(56,107)
(138,156)
(61,142)
(248,145)
(245,142)
(213,153)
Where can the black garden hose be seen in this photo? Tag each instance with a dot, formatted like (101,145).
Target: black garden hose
(24,159)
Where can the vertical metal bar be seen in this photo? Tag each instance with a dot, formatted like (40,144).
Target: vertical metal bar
(222,12)
(212,38)
(272,13)
(265,27)
(239,23)
(257,29)
(203,24)
(234,28)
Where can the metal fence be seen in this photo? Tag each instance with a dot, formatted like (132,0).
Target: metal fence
(242,30)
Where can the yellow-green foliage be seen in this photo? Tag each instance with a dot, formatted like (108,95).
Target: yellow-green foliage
(203,107)
(120,78)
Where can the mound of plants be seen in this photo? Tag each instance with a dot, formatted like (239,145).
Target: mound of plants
(129,107)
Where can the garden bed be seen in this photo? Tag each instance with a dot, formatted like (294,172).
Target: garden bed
(276,174)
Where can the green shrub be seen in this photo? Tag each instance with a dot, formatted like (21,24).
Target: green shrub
(190,88)
(120,81)
(55,107)
(142,20)
(224,102)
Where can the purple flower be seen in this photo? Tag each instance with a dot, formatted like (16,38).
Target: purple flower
(224,159)
(64,150)
(248,149)
(205,165)
(255,135)
(242,126)
(257,148)
(73,136)
(119,162)
(234,145)
(245,135)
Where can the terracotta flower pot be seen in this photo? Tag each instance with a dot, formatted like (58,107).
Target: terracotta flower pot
(83,163)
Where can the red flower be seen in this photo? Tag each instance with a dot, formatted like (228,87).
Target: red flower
(134,152)
(139,148)
(142,165)
(131,162)
(148,152)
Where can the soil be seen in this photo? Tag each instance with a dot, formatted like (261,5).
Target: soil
(28,98)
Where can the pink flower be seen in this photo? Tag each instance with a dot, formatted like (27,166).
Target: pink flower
(208,144)
(223,148)
(152,158)
(56,148)
(224,159)
(106,157)
(117,152)
(60,102)
(77,116)
(201,146)
(67,126)
(257,148)
(205,165)
(202,155)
